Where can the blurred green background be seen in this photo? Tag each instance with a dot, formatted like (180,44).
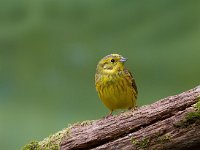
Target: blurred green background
(49,51)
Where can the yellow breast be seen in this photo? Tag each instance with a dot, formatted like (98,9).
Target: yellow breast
(116,93)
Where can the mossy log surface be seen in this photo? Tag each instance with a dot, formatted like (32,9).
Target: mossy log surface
(161,125)
(170,123)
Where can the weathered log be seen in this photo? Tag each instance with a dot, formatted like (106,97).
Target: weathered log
(147,127)
(170,123)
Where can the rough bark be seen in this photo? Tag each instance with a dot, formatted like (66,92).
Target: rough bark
(170,123)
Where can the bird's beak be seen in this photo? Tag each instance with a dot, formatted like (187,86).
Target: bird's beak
(123,59)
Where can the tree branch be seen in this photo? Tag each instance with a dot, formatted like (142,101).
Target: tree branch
(170,123)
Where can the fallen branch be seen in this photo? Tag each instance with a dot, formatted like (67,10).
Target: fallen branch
(170,123)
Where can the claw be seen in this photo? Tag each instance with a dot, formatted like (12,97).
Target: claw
(133,108)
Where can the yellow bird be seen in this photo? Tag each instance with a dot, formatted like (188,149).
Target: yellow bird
(115,85)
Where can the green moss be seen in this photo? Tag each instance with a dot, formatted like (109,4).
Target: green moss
(50,143)
(163,139)
(53,141)
(31,146)
(197,106)
(191,117)
(83,123)
(143,143)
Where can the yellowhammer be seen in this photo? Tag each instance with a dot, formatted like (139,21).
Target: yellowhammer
(114,83)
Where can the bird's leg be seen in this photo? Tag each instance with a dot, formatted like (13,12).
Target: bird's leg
(136,107)
(110,114)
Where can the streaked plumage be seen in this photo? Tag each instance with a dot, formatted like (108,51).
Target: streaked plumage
(114,83)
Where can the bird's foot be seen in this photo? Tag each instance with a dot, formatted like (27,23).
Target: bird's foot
(133,108)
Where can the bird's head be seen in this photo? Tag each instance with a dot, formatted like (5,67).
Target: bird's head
(111,64)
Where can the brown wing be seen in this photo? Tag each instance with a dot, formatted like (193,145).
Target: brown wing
(132,80)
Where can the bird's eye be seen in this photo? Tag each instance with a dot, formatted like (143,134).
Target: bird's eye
(112,60)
